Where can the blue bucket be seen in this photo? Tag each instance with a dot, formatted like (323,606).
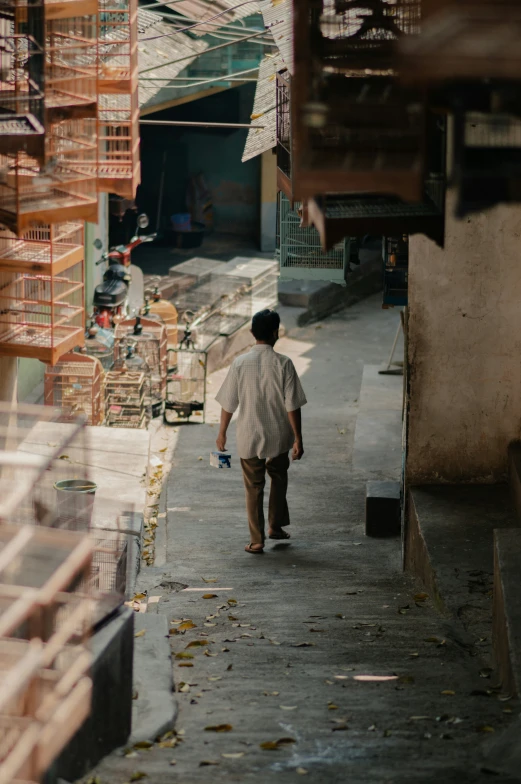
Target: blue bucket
(181,221)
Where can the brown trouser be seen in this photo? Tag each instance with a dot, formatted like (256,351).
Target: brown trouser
(254,473)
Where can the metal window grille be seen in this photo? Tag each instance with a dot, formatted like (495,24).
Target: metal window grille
(283,123)
(301,254)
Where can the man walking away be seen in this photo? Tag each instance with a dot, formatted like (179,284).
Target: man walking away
(265,387)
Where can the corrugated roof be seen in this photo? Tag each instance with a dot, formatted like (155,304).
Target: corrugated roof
(199,10)
(264,138)
(156,53)
(278,17)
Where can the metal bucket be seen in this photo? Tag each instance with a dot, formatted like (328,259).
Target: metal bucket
(74,504)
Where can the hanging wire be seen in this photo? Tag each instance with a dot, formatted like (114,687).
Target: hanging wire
(205,51)
(223,78)
(197,24)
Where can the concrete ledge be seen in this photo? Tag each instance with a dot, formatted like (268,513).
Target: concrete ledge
(506,621)
(449,542)
(514,474)
(109,723)
(154,710)
(321,299)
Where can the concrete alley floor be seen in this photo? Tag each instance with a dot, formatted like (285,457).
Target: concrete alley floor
(280,640)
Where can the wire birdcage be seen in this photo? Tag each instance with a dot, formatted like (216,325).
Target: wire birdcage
(354,128)
(71,64)
(75,384)
(301,254)
(186,388)
(45,248)
(118,125)
(150,340)
(42,316)
(125,398)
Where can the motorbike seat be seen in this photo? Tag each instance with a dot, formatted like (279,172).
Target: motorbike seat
(110,293)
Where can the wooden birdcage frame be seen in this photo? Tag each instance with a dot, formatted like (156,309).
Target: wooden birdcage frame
(354,129)
(63,188)
(464,41)
(75,384)
(45,618)
(42,316)
(71,65)
(49,249)
(118,107)
(152,348)
(125,403)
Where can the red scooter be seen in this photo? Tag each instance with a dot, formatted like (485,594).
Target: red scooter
(121,294)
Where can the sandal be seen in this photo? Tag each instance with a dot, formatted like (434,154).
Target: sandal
(258,551)
(279,535)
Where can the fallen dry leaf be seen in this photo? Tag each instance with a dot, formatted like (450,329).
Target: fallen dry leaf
(184,688)
(209,580)
(421,597)
(141,633)
(143,744)
(138,775)
(303,771)
(209,595)
(186,626)
(448,692)
(219,728)
(232,602)
(288,707)
(173,762)
(197,643)
(214,678)
(485,728)
(303,645)
(332,706)
(229,667)
(207,653)
(185,664)
(233,755)
(184,655)
(270,745)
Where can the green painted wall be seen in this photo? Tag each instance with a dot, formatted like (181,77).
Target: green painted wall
(235,186)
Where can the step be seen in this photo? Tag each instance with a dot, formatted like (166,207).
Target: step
(382,508)
(449,545)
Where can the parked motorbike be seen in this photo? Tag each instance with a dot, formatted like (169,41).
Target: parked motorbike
(121,293)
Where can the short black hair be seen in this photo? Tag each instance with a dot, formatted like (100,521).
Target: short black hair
(264,324)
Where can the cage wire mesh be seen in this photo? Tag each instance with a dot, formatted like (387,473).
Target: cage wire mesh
(149,339)
(301,254)
(186,387)
(126,393)
(44,248)
(75,384)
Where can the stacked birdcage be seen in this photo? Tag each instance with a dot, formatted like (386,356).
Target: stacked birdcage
(47,604)
(125,398)
(75,384)
(149,339)
(354,128)
(186,389)
(45,619)
(118,107)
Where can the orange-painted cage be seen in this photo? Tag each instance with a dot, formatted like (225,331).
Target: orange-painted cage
(75,384)
(50,249)
(151,345)
(62,188)
(118,108)
(42,316)
(45,617)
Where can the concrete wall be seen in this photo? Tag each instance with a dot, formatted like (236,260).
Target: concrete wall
(464,349)
(217,153)
(268,215)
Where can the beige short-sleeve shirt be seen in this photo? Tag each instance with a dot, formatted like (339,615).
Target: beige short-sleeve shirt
(264,386)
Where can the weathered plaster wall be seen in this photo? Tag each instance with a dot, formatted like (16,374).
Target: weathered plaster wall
(464,349)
